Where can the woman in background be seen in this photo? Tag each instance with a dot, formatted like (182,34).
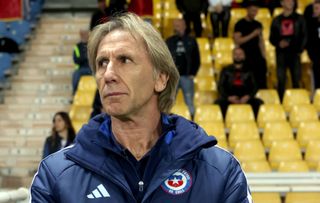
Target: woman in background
(62,135)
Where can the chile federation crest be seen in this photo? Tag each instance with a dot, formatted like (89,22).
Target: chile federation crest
(178,183)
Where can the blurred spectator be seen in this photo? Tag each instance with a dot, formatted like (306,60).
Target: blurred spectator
(116,6)
(185,52)
(288,35)
(270,4)
(62,134)
(100,15)
(248,35)
(236,84)
(313,42)
(80,58)
(191,10)
(220,16)
(141,7)
(8,45)
(97,107)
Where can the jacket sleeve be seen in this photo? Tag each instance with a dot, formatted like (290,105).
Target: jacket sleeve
(195,58)
(304,34)
(76,55)
(222,86)
(42,184)
(274,37)
(180,6)
(236,189)
(46,150)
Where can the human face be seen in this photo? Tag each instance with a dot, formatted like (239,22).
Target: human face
(127,82)
(59,124)
(179,26)
(288,4)
(238,56)
(316,10)
(252,12)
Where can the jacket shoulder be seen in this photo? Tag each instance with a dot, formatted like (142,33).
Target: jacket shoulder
(57,162)
(219,159)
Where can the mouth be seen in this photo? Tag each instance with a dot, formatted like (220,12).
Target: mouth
(114,94)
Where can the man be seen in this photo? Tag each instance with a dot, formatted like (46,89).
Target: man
(288,35)
(191,11)
(80,59)
(220,15)
(100,15)
(313,42)
(138,153)
(248,35)
(237,85)
(185,52)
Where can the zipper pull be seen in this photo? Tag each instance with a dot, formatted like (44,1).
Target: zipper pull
(141,183)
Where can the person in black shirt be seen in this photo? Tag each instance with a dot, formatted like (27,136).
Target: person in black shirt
(100,15)
(248,35)
(236,85)
(288,35)
(312,16)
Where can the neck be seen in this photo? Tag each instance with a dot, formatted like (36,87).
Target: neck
(287,12)
(249,19)
(138,135)
(63,134)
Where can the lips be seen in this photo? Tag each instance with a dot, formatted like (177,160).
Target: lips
(114,94)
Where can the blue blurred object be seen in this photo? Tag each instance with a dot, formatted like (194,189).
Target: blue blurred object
(21,26)
(5,64)
(35,10)
(3,28)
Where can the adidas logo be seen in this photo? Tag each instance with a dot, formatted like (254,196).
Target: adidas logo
(99,192)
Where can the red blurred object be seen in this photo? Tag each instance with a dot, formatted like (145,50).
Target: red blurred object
(141,7)
(11,10)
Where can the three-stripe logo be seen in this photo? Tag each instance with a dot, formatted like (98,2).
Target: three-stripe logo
(99,192)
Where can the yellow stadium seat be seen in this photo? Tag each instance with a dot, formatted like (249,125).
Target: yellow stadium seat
(80,113)
(205,83)
(244,131)
(318,167)
(251,150)
(316,100)
(266,197)
(182,110)
(203,44)
(268,96)
(256,166)
(209,112)
(277,11)
(312,155)
(308,131)
(84,98)
(204,97)
(293,166)
(223,144)
(280,151)
(302,197)
(276,131)
(77,125)
(205,70)
(214,128)
(302,113)
(236,15)
(221,60)
(270,113)
(294,97)
(238,113)
(179,98)
(87,83)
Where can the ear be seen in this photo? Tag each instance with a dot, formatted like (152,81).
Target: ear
(161,82)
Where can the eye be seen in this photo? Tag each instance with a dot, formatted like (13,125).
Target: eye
(103,63)
(125,59)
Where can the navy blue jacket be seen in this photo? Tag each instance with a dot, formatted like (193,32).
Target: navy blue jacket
(191,169)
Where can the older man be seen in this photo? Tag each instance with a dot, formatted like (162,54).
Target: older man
(138,153)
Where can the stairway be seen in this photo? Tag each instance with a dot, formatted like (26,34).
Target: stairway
(40,89)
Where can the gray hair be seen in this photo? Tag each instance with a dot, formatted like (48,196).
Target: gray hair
(156,48)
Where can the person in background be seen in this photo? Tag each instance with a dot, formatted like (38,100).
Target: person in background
(115,7)
(137,151)
(288,34)
(80,59)
(248,35)
(62,134)
(220,16)
(100,15)
(185,52)
(236,84)
(191,11)
(313,42)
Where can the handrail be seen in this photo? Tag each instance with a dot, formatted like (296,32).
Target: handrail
(14,195)
(284,182)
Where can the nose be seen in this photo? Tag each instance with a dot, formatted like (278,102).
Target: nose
(110,75)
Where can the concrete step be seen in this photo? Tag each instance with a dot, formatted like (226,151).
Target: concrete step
(15,182)
(47,65)
(27,115)
(41,79)
(41,87)
(52,59)
(31,71)
(35,138)
(26,124)
(49,49)
(38,108)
